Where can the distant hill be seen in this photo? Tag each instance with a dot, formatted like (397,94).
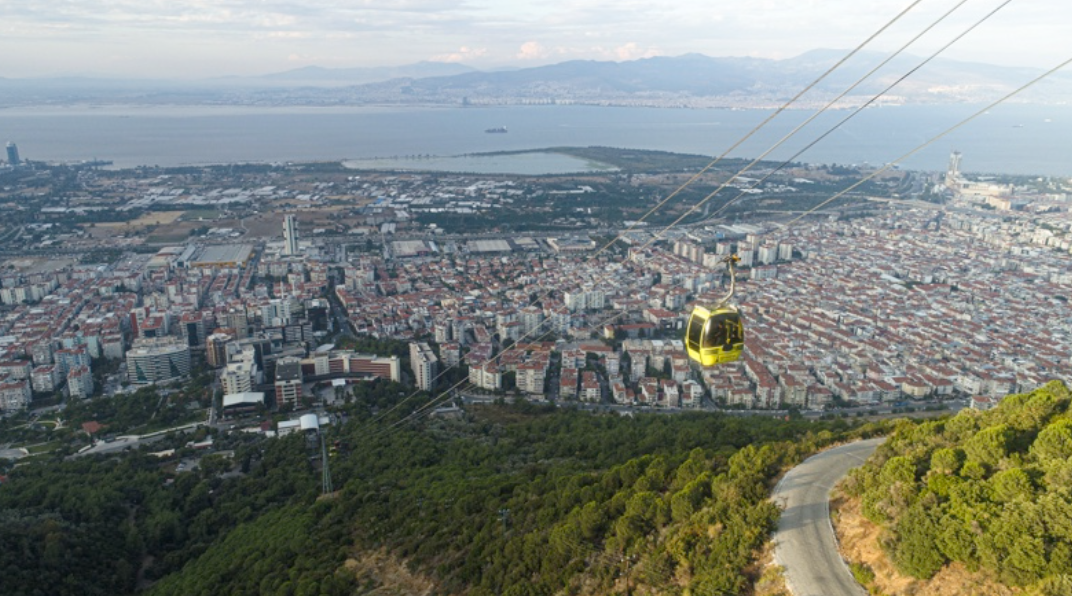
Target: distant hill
(316,75)
(695,79)
(691,80)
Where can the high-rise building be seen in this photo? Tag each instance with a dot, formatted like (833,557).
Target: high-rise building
(576,301)
(45,378)
(216,349)
(71,358)
(425,365)
(531,319)
(13,154)
(15,395)
(689,250)
(768,253)
(531,377)
(290,235)
(747,256)
(193,328)
(288,382)
(154,360)
(42,352)
(952,176)
(596,299)
(80,383)
(276,312)
(239,377)
(443,331)
(237,319)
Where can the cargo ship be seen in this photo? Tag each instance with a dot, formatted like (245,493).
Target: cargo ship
(497,129)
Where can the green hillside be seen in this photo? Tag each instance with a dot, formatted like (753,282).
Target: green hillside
(992,490)
(532,503)
(511,500)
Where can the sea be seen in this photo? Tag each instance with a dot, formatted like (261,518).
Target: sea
(1008,139)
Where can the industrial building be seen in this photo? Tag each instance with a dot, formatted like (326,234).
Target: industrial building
(223,256)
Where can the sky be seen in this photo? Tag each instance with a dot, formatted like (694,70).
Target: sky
(194,39)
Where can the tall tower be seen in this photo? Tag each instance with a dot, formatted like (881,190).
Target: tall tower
(290,235)
(13,154)
(953,175)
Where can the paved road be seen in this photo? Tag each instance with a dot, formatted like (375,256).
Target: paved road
(133,441)
(13,453)
(804,543)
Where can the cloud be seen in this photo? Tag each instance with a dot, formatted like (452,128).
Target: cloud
(234,16)
(632,51)
(463,54)
(532,50)
(69,35)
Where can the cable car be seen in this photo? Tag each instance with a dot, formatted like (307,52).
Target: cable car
(716,335)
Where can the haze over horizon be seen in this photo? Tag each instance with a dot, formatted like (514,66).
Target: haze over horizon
(193,39)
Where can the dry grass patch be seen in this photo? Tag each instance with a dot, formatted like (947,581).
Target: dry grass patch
(859,540)
(152,218)
(771,580)
(385,575)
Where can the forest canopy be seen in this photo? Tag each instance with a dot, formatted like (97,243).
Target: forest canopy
(508,500)
(991,490)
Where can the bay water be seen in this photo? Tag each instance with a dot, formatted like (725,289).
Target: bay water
(1014,139)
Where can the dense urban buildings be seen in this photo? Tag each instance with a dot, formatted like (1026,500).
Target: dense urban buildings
(885,303)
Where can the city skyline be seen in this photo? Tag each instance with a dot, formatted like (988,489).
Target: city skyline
(190,39)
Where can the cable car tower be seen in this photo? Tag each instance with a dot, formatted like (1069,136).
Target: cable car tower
(310,423)
(325,480)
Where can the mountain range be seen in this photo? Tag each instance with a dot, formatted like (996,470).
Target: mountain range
(317,75)
(691,80)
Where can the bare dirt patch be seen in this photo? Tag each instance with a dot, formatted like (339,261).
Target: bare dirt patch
(859,540)
(152,218)
(386,575)
(31,265)
(174,233)
(153,222)
(771,580)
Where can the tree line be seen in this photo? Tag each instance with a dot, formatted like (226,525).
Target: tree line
(508,499)
(991,490)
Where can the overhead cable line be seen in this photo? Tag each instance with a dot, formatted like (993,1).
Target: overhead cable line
(762,124)
(931,141)
(862,107)
(869,177)
(445,395)
(695,177)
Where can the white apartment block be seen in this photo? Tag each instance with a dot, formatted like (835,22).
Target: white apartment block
(80,383)
(45,378)
(531,377)
(15,396)
(486,376)
(425,365)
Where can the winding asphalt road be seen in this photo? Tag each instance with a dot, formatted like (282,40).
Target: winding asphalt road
(804,544)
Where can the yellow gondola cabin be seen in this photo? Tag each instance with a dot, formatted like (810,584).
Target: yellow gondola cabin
(716,335)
